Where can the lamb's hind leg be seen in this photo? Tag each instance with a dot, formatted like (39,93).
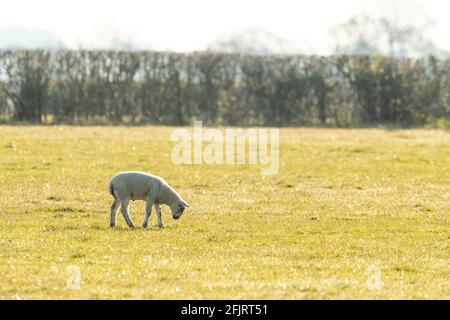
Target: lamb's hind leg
(114,208)
(124,210)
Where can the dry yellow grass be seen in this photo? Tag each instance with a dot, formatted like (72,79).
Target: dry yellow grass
(344,203)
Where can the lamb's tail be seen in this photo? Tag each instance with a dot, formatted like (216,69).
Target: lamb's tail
(111,190)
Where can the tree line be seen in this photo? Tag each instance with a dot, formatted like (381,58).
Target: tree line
(87,87)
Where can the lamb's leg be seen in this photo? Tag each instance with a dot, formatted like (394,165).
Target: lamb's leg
(124,210)
(148,211)
(112,217)
(158,213)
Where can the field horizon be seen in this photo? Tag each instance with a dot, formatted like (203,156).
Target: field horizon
(352,214)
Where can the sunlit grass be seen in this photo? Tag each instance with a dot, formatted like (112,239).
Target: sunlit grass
(344,200)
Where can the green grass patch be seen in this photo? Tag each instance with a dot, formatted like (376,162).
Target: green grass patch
(343,202)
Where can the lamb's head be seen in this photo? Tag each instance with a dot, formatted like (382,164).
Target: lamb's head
(178,208)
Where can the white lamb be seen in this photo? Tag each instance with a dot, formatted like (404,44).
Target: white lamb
(135,185)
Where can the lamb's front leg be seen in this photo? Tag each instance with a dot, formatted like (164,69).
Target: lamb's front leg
(148,211)
(158,213)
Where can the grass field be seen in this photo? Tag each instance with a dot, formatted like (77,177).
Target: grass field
(345,205)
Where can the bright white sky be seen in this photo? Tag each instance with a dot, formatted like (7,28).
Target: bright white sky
(185,25)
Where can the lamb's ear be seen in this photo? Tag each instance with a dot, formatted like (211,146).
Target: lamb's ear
(184,204)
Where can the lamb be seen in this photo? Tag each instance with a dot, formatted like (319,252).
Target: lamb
(136,185)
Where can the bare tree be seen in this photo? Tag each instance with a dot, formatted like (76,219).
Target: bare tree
(357,36)
(395,28)
(253,42)
(28,76)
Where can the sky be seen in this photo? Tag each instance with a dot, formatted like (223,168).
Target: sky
(178,25)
